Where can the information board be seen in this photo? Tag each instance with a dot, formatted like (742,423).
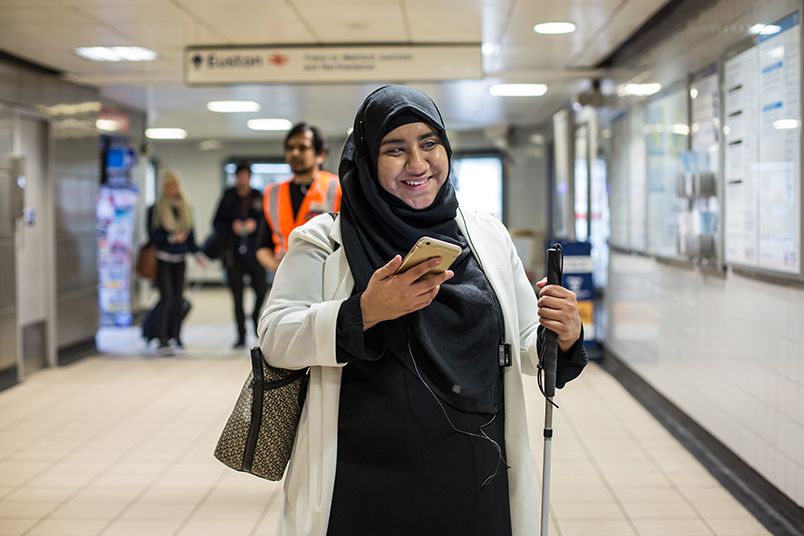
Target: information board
(740,107)
(618,182)
(666,140)
(762,93)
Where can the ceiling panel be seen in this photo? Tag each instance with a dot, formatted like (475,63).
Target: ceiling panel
(355,22)
(467,29)
(26,16)
(153,12)
(607,38)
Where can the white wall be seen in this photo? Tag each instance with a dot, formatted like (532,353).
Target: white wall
(729,351)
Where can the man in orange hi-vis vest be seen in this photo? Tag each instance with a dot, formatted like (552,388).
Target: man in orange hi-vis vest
(309,193)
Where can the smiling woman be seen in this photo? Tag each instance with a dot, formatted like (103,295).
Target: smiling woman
(424,430)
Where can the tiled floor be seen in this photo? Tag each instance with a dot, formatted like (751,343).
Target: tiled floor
(121,444)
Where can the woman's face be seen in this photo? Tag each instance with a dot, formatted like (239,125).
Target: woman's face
(413,164)
(171,188)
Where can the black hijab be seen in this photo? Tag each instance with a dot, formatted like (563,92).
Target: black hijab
(454,339)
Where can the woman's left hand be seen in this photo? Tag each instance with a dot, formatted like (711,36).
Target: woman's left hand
(558,311)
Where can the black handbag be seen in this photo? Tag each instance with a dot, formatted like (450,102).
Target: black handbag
(215,245)
(259,435)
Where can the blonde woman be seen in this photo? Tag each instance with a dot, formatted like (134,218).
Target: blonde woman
(170,226)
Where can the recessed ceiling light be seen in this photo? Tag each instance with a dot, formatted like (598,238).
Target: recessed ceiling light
(638,90)
(490,49)
(554,28)
(107,125)
(116,53)
(228,107)
(165,133)
(765,29)
(269,124)
(518,90)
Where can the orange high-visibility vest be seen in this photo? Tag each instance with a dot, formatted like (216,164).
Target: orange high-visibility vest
(324,195)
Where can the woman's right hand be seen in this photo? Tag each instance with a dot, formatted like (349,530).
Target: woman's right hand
(390,295)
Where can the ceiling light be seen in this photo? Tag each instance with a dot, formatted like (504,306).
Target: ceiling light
(693,93)
(490,49)
(765,29)
(165,133)
(229,107)
(107,125)
(518,90)
(786,124)
(116,53)
(554,28)
(638,90)
(269,124)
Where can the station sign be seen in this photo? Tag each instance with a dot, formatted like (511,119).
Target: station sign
(316,64)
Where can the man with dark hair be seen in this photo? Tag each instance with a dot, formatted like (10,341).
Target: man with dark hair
(309,193)
(237,219)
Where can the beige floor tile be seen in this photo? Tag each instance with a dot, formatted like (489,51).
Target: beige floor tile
(20,468)
(45,495)
(88,510)
(677,509)
(650,494)
(15,527)
(107,495)
(67,527)
(150,511)
(73,480)
(216,528)
(604,527)
(577,510)
(699,494)
(726,508)
(746,526)
(693,480)
(671,527)
(142,528)
(25,510)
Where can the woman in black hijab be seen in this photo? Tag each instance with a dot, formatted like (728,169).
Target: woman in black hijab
(431,435)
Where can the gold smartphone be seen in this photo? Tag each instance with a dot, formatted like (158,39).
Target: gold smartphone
(427,248)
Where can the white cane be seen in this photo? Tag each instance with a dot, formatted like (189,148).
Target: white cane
(549,364)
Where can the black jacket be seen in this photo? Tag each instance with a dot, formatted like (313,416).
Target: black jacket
(233,207)
(159,237)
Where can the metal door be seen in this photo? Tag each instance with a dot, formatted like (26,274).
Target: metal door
(9,207)
(34,256)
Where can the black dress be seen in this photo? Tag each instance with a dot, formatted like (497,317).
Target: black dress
(401,467)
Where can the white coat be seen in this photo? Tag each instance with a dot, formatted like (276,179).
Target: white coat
(297,329)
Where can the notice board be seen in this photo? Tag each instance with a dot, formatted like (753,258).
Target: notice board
(762,169)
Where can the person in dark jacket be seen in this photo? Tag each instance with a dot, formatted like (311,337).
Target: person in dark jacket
(237,219)
(170,226)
